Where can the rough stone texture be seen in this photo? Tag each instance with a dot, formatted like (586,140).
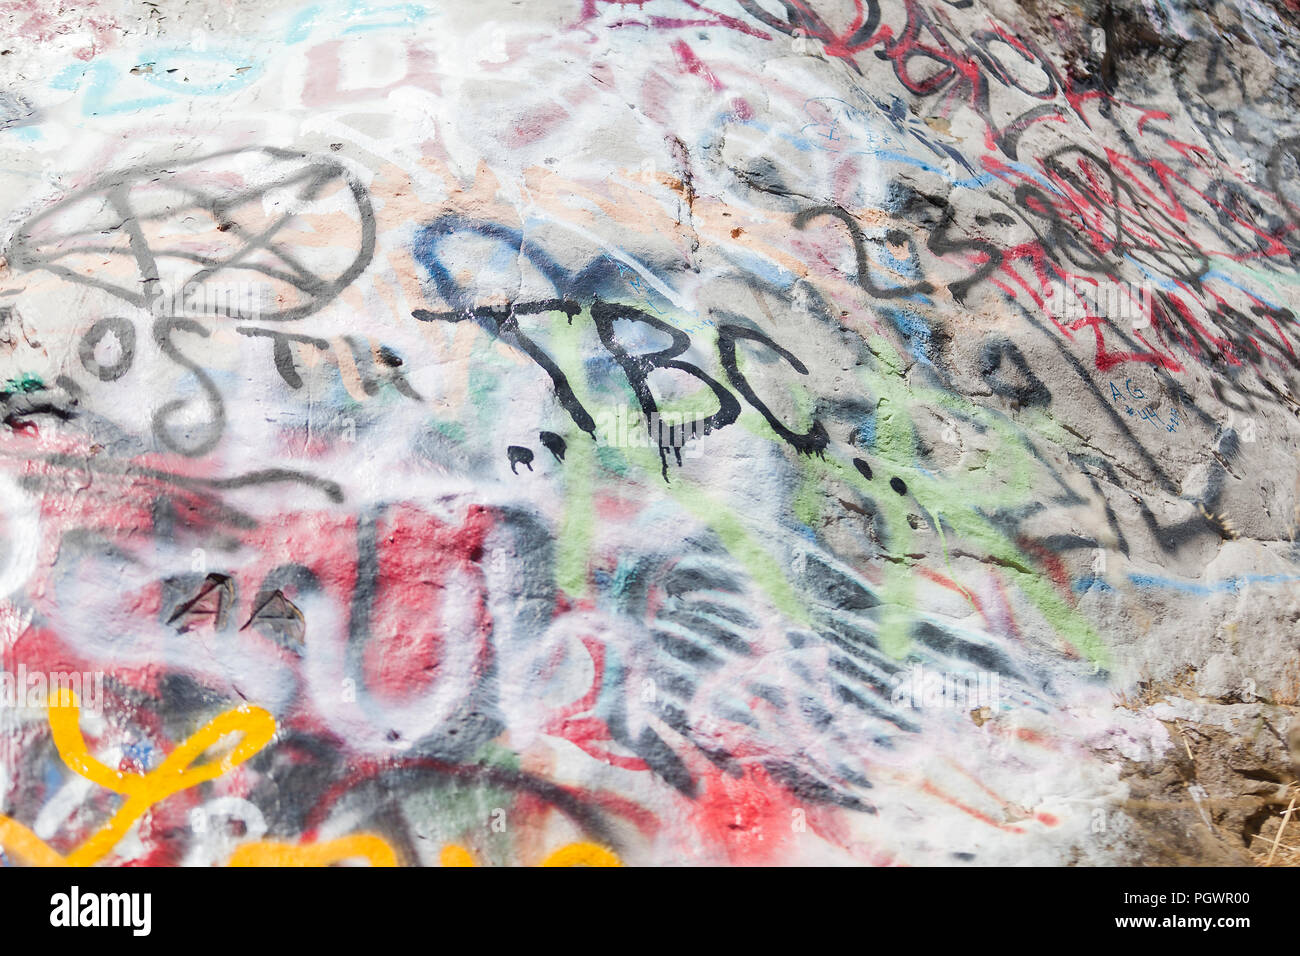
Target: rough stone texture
(667,431)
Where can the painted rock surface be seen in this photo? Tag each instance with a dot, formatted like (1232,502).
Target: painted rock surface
(648,431)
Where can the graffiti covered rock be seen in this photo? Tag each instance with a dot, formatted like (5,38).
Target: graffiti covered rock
(655,432)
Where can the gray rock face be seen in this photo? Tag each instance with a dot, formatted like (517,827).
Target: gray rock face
(671,432)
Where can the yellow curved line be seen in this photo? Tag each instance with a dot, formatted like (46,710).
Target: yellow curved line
(178,772)
(266,853)
(174,774)
(65,725)
(582,854)
(453,855)
(29,849)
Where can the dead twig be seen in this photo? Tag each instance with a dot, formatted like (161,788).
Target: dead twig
(1285,817)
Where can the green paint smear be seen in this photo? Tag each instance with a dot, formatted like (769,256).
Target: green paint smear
(451,429)
(461,810)
(960,502)
(765,570)
(26,382)
(577,528)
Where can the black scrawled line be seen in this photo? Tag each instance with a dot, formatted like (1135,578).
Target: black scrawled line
(261,241)
(280,351)
(268,476)
(309,281)
(115,187)
(519,455)
(507,329)
(554,444)
(265,476)
(305,281)
(214,584)
(162,335)
(144,260)
(51,264)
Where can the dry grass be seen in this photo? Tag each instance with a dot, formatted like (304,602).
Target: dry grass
(1281,828)
(1279,853)
(1277,843)
(1150,690)
(1286,856)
